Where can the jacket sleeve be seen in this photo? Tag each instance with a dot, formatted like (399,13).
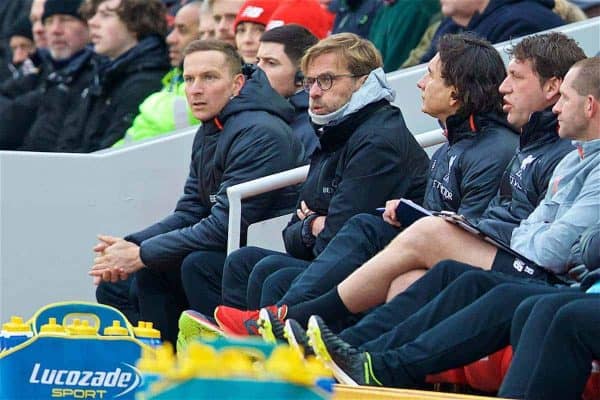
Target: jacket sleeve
(549,243)
(16,120)
(590,247)
(372,172)
(254,155)
(480,180)
(188,212)
(125,105)
(292,238)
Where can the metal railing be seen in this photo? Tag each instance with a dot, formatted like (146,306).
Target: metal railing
(237,193)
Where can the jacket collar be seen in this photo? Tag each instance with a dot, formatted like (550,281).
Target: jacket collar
(542,127)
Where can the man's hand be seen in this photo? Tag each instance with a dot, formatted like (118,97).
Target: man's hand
(116,259)
(317,225)
(389,215)
(303,211)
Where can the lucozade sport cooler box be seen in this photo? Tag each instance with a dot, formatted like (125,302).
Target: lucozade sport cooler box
(82,365)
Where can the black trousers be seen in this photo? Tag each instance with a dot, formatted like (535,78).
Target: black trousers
(469,319)
(555,337)
(363,236)
(245,272)
(195,284)
(121,295)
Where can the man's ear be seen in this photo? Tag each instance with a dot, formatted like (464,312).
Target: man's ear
(453,98)
(238,83)
(551,87)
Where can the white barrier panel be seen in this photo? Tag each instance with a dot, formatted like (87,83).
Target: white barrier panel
(53,205)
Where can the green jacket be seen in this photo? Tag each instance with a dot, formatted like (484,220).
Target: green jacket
(398,27)
(161,112)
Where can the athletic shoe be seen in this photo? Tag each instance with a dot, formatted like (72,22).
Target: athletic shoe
(349,365)
(194,326)
(270,327)
(297,338)
(242,322)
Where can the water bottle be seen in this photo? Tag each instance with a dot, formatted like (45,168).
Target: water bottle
(145,333)
(52,328)
(14,333)
(115,330)
(81,328)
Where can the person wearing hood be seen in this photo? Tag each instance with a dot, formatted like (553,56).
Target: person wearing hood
(240,139)
(494,20)
(364,143)
(462,177)
(35,121)
(279,57)
(167,110)
(128,34)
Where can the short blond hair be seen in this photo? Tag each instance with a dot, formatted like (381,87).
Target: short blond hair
(360,55)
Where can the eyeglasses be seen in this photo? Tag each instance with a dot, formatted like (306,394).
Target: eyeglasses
(324,81)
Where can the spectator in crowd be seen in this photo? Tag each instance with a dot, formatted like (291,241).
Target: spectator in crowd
(249,25)
(348,99)
(35,121)
(10,12)
(279,55)
(35,17)
(20,40)
(167,110)
(398,26)
(590,7)
(240,139)
(462,177)
(307,13)
(472,317)
(535,72)
(206,26)
(495,20)
(354,16)
(563,8)
(129,34)
(224,13)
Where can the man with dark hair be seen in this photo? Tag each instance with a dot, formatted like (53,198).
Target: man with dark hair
(279,57)
(348,98)
(462,177)
(472,317)
(528,96)
(494,20)
(36,118)
(129,34)
(240,139)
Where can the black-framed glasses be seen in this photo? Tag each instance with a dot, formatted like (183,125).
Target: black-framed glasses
(324,81)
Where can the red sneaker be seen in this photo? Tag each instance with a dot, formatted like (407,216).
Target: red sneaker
(241,322)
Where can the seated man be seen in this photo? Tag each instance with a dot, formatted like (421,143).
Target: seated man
(531,87)
(462,178)
(20,41)
(363,142)
(494,20)
(224,13)
(167,110)
(279,55)
(472,317)
(129,34)
(240,139)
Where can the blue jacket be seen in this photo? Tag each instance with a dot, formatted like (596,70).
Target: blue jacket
(462,176)
(366,157)
(301,126)
(247,140)
(355,16)
(502,20)
(526,178)
(571,206)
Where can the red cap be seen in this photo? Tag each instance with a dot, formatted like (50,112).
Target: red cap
(307,13)
(256,11)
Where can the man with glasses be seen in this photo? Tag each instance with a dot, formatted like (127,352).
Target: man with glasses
(367,155)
